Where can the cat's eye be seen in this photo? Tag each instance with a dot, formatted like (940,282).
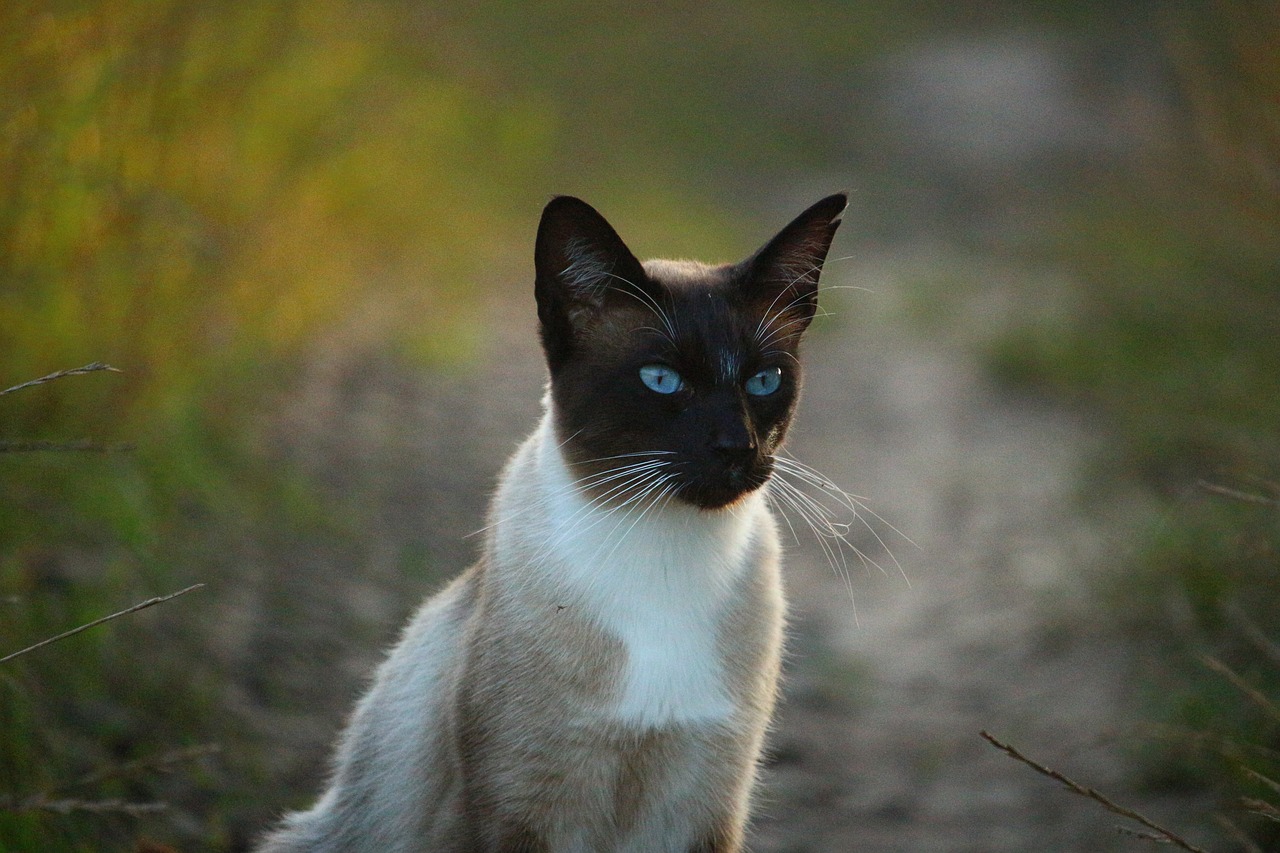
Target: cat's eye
(765,382)
(660,378)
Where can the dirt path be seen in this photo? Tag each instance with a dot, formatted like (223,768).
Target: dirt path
(876,746)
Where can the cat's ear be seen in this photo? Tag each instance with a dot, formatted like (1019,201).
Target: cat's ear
(781,279)
(580,263)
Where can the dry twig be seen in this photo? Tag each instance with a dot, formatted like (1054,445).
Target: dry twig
(1243,686)
(1261,807)
(76,446)
(1163,835)
(64,807)
(75,371)
(1269,782)
(150,602)
(1236,494)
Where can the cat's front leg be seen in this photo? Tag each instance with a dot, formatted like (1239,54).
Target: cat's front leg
(724,837)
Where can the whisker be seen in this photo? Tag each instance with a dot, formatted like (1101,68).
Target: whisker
(572,526)
(667,486)
(851,503)
(821,512)
(648,301)
(589,482)
(854,502)
(835,559)
(772,312)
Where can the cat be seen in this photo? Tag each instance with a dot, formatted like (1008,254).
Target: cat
(602,678)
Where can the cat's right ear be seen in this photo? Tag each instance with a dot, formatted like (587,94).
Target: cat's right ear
(782,277)
(579,261)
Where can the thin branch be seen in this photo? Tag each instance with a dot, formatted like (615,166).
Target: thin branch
(1261,807)
(1091,794)
(1236,494)
(1237,834)
(1142,835)
(1243,686)
(151,602)
(62,446)
(64,807)
(161,763)
(1270,783)
(75,371)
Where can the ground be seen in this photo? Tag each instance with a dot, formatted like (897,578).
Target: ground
(983,622)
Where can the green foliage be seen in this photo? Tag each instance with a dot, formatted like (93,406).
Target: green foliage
(1173,340)
(212,196)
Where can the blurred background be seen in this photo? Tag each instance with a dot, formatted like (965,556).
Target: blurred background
(303,233)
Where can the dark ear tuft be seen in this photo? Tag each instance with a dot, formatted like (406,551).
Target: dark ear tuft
(579,259)
(782,277)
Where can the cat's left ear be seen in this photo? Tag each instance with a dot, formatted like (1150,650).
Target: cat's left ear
(781,279)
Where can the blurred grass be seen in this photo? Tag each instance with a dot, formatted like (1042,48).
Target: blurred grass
(1173,339)
(213,196)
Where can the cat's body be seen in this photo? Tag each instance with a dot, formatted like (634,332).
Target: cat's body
(601,680)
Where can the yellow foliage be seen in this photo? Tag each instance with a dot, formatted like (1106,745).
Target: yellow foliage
(185,184)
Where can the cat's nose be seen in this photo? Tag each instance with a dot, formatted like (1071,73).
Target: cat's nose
(734,444)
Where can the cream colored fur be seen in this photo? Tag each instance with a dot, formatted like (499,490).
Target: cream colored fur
(600,681)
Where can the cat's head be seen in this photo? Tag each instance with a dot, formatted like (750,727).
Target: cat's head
(674,378)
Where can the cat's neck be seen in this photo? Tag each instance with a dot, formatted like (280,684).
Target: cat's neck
(656,576)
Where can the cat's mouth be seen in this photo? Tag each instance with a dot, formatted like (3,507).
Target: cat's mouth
(646,479)
(718,485)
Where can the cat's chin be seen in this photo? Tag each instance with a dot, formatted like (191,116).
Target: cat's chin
(720,497)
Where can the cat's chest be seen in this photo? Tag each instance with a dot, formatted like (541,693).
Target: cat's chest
(660,584)
(662,595)
(659,580)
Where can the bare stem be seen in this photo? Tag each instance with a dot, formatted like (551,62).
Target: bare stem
(1261,807)
(75,371)
(74,446)
(1237,495)
(64,807)
(1243,686)
(1163,834)
(150,602)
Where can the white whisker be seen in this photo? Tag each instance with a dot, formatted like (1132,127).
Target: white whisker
(830,513)
(591,481)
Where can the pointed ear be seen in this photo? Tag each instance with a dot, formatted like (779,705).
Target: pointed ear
(579,260)
(781,280)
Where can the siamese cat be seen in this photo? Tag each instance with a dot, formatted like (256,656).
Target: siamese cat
(601,680)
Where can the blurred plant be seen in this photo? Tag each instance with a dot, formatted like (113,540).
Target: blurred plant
(218,196)
(1175,332)
(1173,338)
(24,809)
(191,189)
(209,194)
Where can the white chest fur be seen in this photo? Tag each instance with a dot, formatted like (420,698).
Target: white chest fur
(657,578)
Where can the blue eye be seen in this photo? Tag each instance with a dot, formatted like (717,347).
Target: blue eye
(660,378)
(765,382)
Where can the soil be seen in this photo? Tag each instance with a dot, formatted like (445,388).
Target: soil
(981,621)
